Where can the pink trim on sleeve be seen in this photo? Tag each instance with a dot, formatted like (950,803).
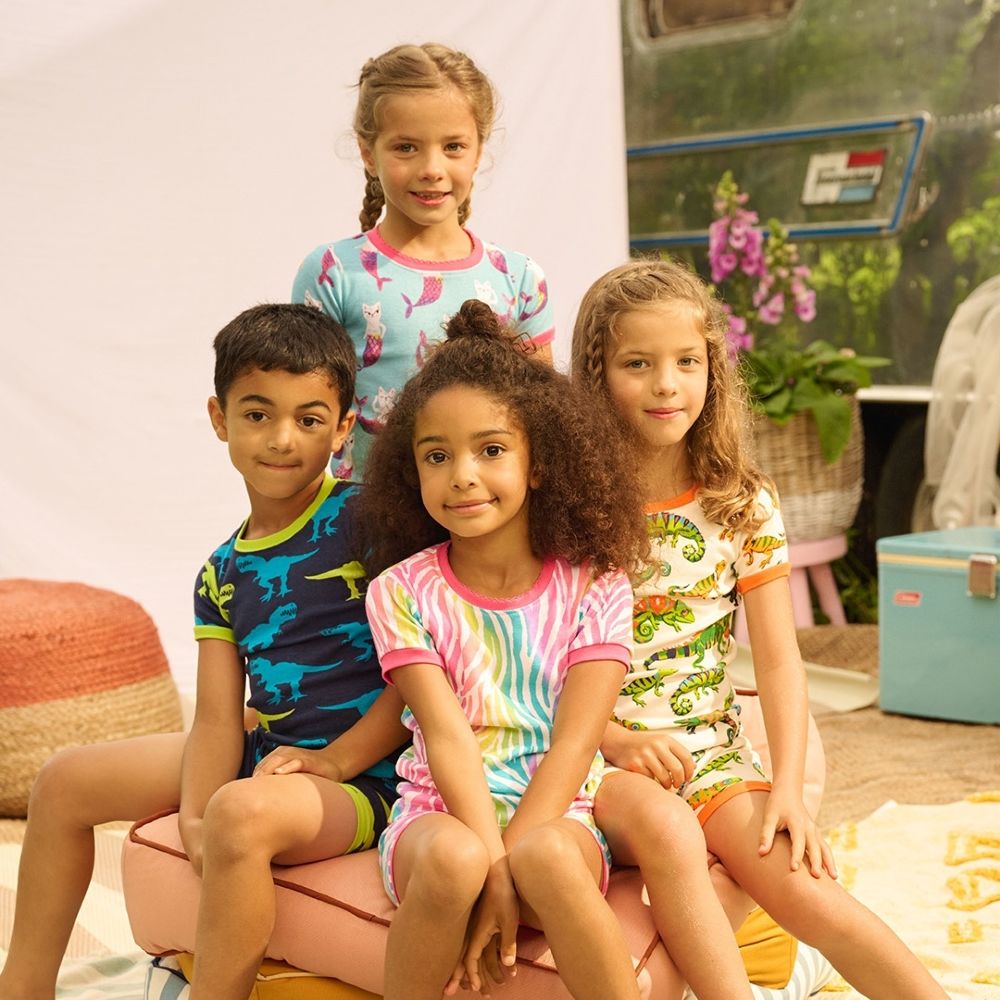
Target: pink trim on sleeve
(404,657)
(606,651)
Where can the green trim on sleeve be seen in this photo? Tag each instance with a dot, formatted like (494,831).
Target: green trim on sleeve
(214,632)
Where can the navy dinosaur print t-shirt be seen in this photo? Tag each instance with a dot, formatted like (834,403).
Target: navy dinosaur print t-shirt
(293,604)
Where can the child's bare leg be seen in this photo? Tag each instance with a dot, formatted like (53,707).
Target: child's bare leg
(818,911)
(556,870)
(652,827)
(440,867)
(290,818)
(75,791)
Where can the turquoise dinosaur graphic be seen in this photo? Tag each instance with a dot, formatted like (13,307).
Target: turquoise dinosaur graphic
(275,676)
(262,635)
(358,634)
(324,519)
(362,703)
(671,527)
(271,571)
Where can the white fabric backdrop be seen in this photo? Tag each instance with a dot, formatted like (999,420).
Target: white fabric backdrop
(165,165)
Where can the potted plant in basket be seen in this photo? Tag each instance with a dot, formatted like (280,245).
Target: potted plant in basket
(767,294)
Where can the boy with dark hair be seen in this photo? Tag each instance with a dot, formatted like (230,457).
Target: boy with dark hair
(278,603)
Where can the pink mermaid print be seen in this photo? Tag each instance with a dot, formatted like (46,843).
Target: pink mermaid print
(431,293)
(369,261)
(498,260)
(328,262)
(540,298)
(374,333)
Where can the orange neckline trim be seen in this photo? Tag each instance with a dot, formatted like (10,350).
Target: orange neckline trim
(655,506)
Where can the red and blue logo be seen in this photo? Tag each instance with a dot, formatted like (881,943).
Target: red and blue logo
(843,178)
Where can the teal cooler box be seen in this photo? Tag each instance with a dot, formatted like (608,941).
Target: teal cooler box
(939,624)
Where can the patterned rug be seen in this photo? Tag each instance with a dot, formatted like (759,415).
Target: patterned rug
(933,874)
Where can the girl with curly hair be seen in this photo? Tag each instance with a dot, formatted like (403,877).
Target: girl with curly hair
(650,338)
(505,628)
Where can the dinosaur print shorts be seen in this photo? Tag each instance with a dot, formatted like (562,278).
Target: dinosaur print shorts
(372,797)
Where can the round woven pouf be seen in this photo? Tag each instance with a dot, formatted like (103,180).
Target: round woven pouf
(77,665)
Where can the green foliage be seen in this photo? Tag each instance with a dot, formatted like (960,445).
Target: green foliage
(857,278)
(786,380)
(974,237)
(858,588)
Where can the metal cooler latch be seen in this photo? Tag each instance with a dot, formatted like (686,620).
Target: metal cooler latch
(982,581)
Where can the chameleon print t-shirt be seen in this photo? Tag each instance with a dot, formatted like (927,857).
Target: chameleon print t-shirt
(682,618)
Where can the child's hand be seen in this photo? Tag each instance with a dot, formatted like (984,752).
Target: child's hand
(289,760)
(652,753)
(491,942)
(785,811)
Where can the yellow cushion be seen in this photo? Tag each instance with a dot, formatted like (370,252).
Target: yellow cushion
(768,952)
(280,981)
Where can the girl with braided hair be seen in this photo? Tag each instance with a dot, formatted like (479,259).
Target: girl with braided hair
(650,339)
(423,116)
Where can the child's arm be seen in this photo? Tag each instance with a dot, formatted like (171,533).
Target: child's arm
(373,737)
(214,746)
(586,701)
(781,683)
(456,763)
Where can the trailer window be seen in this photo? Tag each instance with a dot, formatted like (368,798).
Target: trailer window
(662,18)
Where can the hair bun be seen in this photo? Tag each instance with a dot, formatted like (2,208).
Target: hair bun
(475,319)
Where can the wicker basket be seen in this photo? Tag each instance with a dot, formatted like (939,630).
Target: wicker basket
(818,500)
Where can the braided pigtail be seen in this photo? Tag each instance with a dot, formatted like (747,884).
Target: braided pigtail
(371,207)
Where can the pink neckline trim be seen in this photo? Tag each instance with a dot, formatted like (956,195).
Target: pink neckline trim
(493,603)
(475,255)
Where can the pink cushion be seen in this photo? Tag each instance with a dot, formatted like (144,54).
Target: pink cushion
(332,915)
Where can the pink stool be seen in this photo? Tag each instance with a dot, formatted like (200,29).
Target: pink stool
(810,561)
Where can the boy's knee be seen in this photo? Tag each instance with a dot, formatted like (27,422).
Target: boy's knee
(63,782)
(235,821)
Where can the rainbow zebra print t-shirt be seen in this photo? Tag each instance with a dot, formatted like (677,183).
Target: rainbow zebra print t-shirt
(506,661)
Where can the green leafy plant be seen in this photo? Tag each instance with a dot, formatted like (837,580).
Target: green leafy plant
(768,296)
